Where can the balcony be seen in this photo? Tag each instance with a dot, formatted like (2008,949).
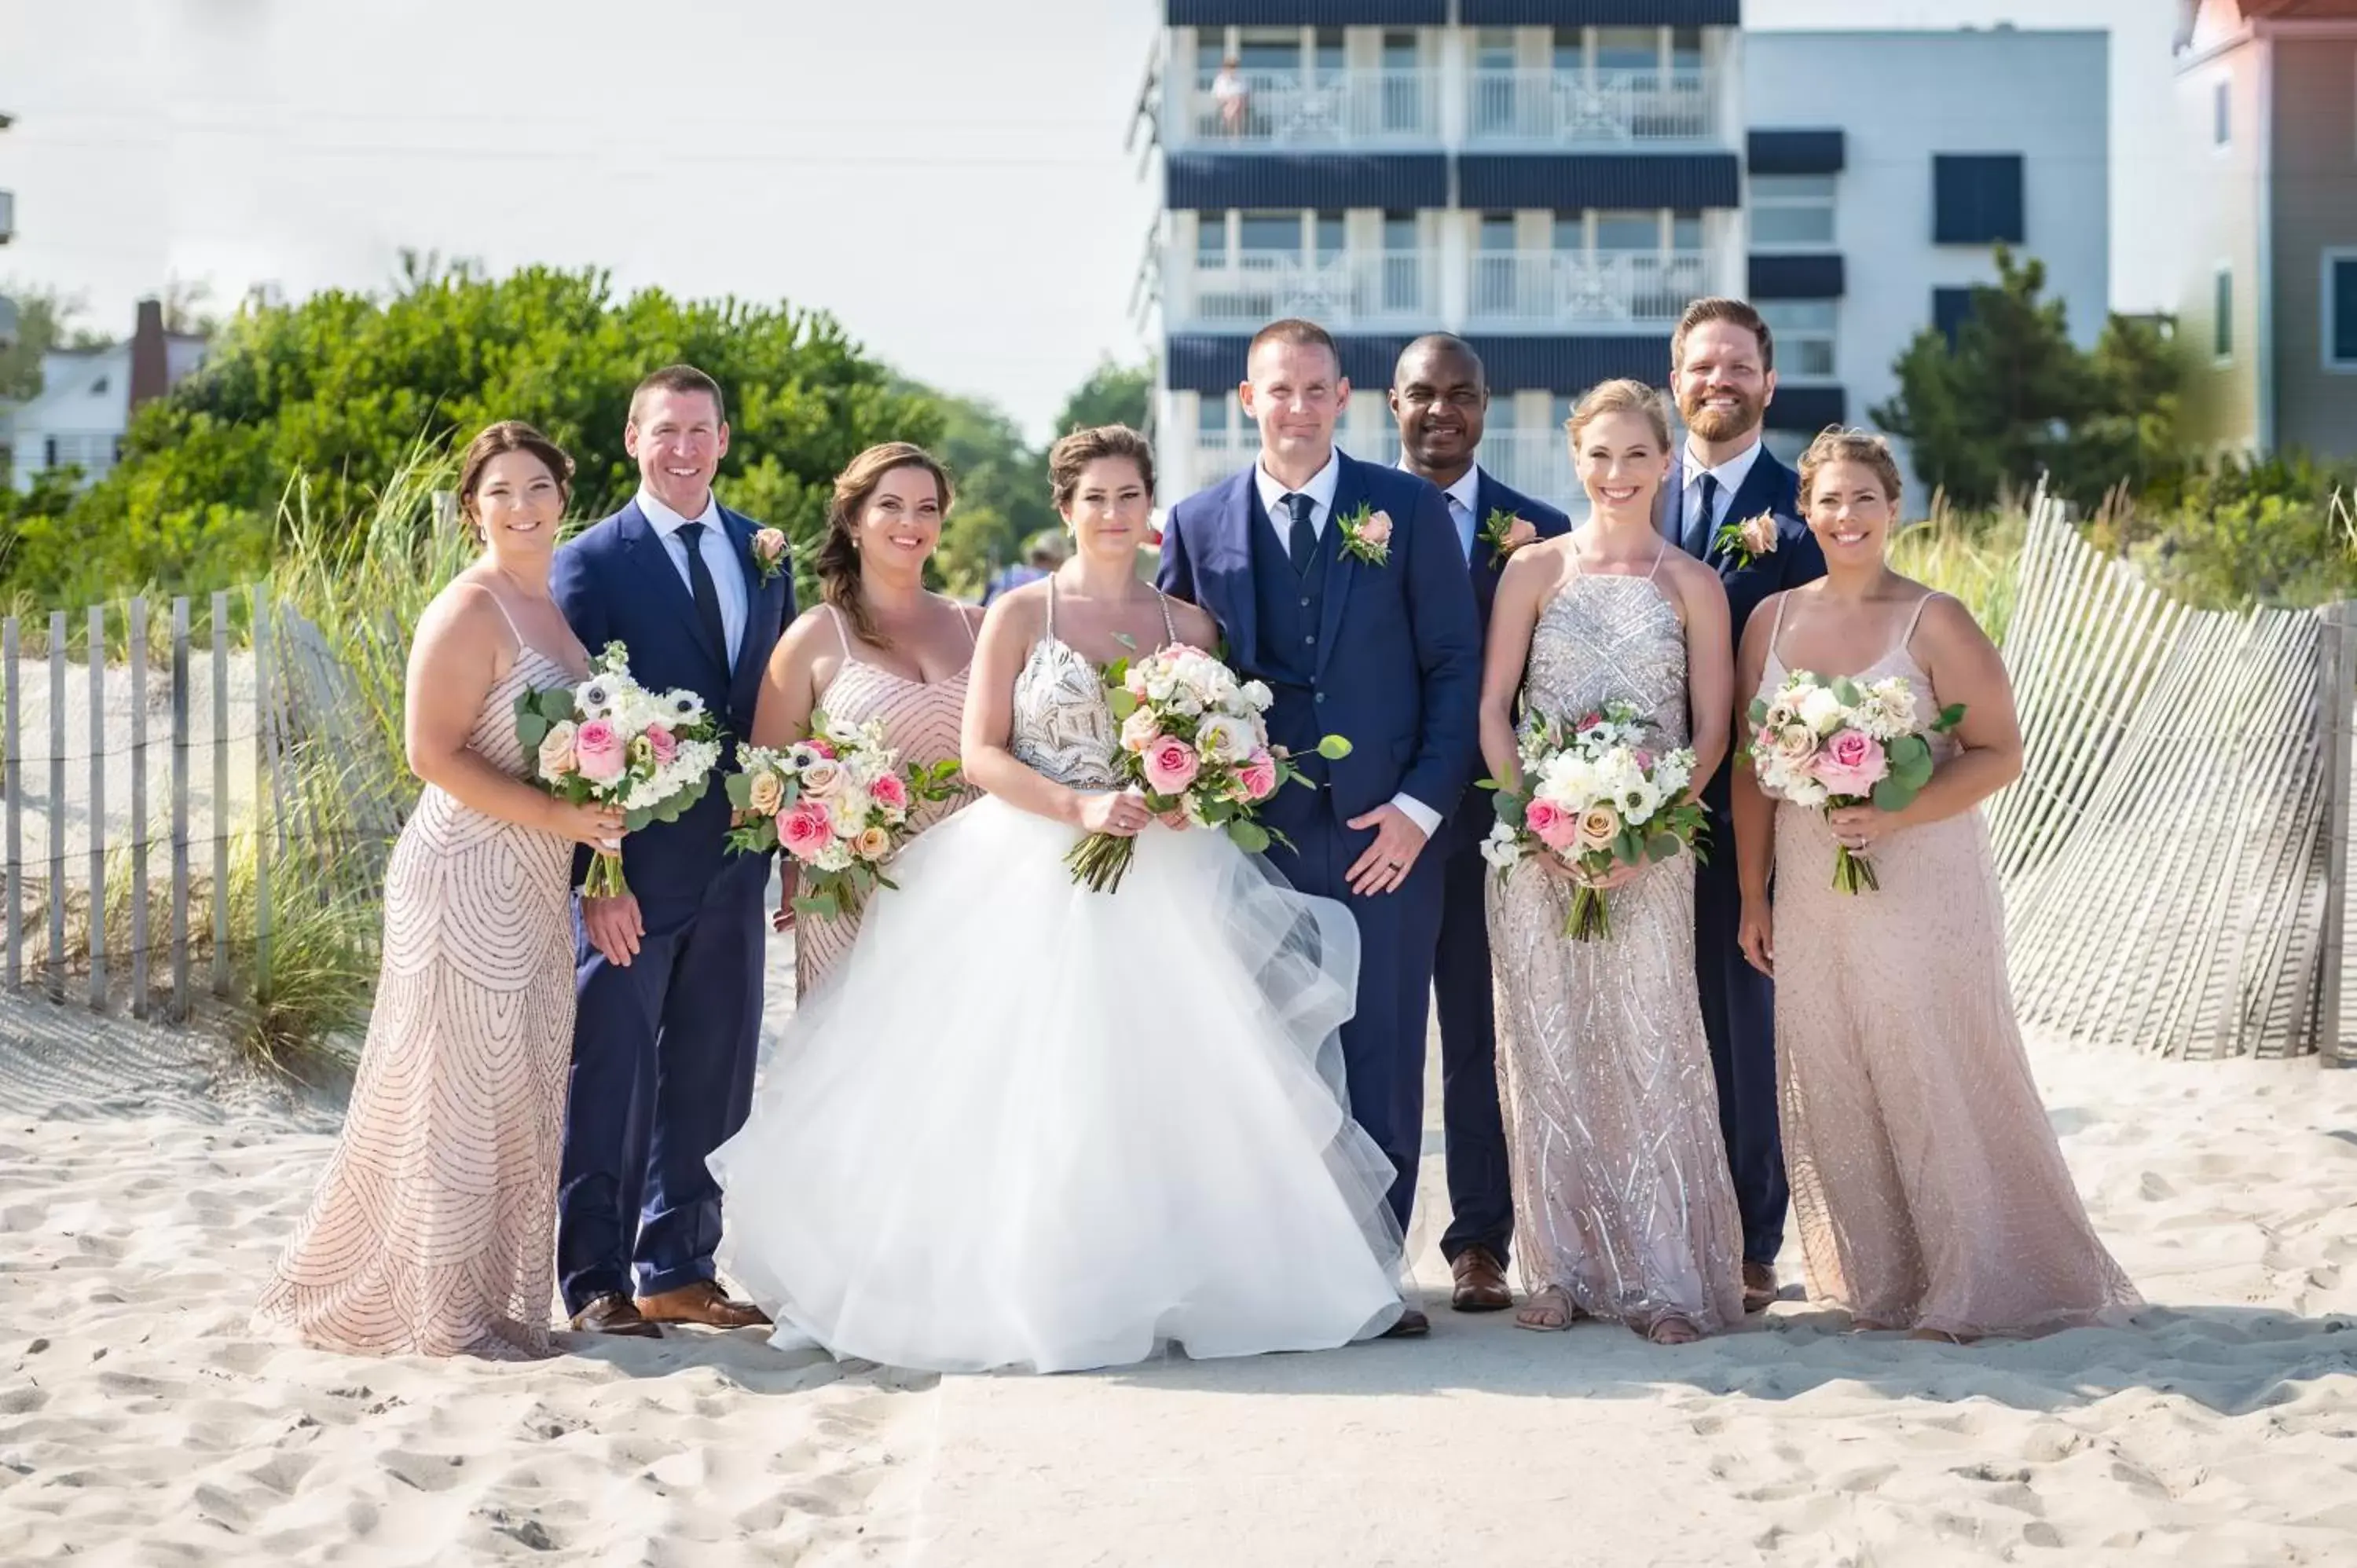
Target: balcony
(1538,464)
(1589,108)
(1400,288)
(1555,290)
(1286,108)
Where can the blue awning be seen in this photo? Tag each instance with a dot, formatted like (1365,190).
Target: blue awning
(1603,13)
(1570,181)
(1808,409)
(1797,277)
(1795,151)
(1212,182)
(1306,13)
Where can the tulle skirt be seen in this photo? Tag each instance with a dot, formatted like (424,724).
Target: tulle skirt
(1025,1126)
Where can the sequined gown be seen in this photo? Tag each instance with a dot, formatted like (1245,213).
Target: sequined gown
(430,1232)
(1027,1124)
(1927,1187)
(1621,1193)
(921,722)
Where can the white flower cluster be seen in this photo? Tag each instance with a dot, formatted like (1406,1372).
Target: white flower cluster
(1788,747)
(1190,681)
(1583,790)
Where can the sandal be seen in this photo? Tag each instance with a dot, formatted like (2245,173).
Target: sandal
(1548,1311)
(1671,1328)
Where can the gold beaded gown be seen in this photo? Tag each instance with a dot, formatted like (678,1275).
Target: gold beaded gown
(1621,1194)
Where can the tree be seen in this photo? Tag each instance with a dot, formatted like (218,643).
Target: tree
(1002,491)
(336,389)
(1113,394)
(46,319)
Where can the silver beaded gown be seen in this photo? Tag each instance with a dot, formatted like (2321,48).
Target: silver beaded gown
(1621,1194)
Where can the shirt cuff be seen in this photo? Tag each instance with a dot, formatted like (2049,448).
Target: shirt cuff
(1422,815)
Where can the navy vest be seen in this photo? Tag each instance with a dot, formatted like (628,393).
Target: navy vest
(1290,606)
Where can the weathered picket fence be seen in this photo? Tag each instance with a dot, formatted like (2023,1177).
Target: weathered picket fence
(2175,857)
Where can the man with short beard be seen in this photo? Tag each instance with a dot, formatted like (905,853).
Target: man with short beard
(1723,375)
(1440,399)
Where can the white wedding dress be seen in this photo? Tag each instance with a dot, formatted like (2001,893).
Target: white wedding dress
(1027,1125)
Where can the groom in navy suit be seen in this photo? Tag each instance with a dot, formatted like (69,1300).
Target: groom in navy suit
(1385,652)
(670,975)
(1440,399)
(1723,374)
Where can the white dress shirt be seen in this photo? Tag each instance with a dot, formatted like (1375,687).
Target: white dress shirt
(1730,475)
(720,552)
(1321,491)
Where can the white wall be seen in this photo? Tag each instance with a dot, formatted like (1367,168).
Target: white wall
(84,405)
(1903,97)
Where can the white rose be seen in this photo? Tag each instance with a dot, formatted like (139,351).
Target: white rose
(1501,849)
(1822,711)
(1222,739)
(1138,730)
(1257,694)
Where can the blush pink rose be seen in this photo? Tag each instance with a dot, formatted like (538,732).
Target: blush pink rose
(598,751)
(1257,774)
(1852,763)
(1170,765)
(805,829)
(890,790)
(821,747)
(664,744)
(1550,823)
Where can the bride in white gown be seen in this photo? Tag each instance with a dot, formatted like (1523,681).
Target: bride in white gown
(1029,1126)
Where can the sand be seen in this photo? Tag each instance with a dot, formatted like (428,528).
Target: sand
(146,1184)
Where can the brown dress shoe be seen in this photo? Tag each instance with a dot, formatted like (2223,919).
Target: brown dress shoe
(613,1313)
(702,1302)
(1412,1325)
(1480,1282)
(1759,1287)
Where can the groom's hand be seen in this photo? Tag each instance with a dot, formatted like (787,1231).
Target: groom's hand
(615,927)
(1388,860)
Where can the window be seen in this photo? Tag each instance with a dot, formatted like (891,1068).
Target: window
(1266,234)
(1212,417)
(1803,330)
(1497,232)
(1791,210)
(1328,229)
(2222,313)
(1210,49)
(1629,232)
(1628,48)
(98,386)
(49,451)
(1976,198)
(1685,51)
(1951,308)
(1329,54)
(2221,115)
(1274,49)
(1403,264)
(2340,310)
(1494,48)
(1686,231)
(1211,240)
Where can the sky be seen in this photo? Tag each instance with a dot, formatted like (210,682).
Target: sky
(947,178)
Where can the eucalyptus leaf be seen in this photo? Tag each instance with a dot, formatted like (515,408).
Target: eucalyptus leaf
(1333,747)
(1662,846)
(1248,835)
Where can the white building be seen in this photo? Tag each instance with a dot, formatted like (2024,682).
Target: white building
(1884,168)
(88,395)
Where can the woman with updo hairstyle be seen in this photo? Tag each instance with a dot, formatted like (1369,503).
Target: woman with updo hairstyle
(880,646)
(1929,1191)
(1623,1206)
(1029,1122)
(429,1232)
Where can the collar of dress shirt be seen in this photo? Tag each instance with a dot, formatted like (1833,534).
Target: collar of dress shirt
(665,522)
(1730,474)
(1320,489)
(1463,491)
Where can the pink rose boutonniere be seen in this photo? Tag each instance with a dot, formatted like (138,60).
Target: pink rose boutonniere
(769,554)
(1505,533)
(1748,540)
(1367,534)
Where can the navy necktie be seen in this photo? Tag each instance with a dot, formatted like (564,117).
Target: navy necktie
(1301,540)
(1699,536)
(707,595)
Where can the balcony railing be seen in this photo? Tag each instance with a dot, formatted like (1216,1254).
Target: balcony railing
(1537,463)
(1558,108)
(1350,290)
(1562,288)
(1285,109)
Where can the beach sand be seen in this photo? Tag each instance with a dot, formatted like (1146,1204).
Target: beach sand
(145,1186)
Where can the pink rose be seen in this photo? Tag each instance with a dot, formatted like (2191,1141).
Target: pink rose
(1644,759)
(822,747)
(806,830)
(1169,765)
(1551,825)
(1852,763)
(1377,530)
(664,744)
(890,789)
(1257,774)
(598,751)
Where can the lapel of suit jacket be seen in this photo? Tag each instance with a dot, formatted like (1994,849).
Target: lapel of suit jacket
(1343,568)
(1670,509)
(651,557)
(1755,494)
(762,607)
(1227,568)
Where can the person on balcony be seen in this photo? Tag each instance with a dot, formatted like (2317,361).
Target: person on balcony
(1235,99)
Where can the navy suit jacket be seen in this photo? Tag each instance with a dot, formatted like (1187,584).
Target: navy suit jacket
(616,582)
(1472,819)
(1770,487)
(1398,668)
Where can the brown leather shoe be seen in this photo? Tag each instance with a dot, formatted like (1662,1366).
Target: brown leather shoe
(1412,1325)
(702,1302)
(613,1313)
(1480,1282)
(1759,1287)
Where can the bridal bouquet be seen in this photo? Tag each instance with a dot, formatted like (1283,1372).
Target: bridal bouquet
(1596,794)
(1845,742)
(612,742)
(1192,739)
(838,803)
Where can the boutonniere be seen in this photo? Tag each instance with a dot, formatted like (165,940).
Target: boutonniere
(1367,534)
(769,554)
(1748,540)
(1506,534)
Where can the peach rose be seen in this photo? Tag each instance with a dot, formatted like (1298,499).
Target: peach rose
(873,844)
(1599,826)
(766,793)
(556,750)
